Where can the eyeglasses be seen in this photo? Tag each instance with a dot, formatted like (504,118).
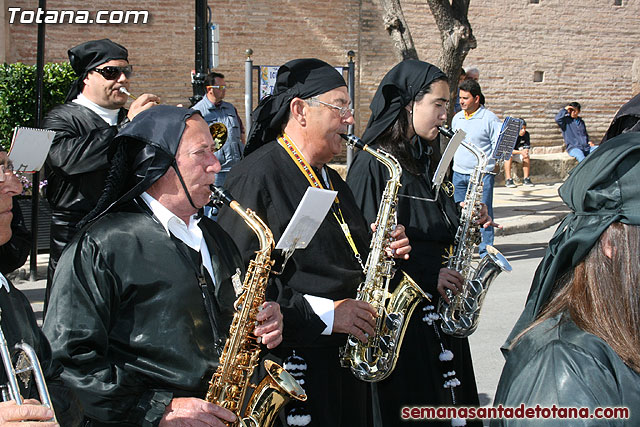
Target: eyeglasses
(221,87)
(342,110)
(5,169)
(111,72)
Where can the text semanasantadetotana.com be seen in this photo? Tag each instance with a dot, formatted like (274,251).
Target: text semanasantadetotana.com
(519,412)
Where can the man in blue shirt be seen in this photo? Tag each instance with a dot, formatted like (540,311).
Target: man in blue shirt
(574,131)
(482,128)
(215,110)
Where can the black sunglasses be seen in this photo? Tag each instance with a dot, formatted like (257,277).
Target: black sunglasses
(113,73)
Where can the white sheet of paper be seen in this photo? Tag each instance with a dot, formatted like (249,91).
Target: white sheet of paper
(447,156)
(29,148)
(307,218)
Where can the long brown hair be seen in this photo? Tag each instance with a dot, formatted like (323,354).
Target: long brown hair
(394,139)
(602,294)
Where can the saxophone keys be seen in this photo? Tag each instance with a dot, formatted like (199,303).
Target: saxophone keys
(393,321)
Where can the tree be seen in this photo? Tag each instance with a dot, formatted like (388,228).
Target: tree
(397,27)
(456,36)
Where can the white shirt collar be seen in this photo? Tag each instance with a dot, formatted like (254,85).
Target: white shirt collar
(4,283)
(190,234)
(108,115)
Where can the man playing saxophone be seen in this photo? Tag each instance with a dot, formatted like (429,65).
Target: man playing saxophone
(144,294)
(295,134)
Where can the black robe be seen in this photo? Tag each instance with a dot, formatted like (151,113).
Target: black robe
(76,169)
(557,363)
(127,318)
(271,184)
(431,226)
(19,325)
(14,253)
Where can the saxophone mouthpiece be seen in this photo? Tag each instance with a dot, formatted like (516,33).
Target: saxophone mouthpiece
(445,131)
(220,196)
(353,141)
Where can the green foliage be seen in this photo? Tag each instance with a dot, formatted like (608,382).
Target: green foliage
(18,94)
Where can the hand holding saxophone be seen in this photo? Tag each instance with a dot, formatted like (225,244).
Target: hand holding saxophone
(449,279)
(189,411)
(399,246)
(30,410)
(484,220)
(269,328)
(354,317)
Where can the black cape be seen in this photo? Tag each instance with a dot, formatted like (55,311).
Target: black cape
(431,227)
(14,253)
(558,363)
(75,169)
(19,325)
(127,319)
(269,183)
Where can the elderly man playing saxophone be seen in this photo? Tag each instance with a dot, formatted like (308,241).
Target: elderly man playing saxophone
(143,296)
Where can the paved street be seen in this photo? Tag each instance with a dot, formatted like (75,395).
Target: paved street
(503,305)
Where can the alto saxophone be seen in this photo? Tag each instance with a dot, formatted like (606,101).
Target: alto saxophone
(460,317)
(375,360)
(230,382)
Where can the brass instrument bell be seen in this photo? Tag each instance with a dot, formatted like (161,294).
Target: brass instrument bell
(219,134)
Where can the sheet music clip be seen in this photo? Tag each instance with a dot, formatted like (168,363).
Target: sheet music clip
(286,254)
(305,222)
(445,160)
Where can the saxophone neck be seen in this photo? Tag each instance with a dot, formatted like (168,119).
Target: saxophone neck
(392,164)
(477,152)
(220,196)
(263,233)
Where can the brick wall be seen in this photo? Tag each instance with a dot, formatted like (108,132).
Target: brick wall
(586,52)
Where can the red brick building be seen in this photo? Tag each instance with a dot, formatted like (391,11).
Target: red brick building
(585,51)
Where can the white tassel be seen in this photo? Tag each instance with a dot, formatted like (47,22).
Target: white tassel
(295,367)
(446,355)
(298,420)
(457,422)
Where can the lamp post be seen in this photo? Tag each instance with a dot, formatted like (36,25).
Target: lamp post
(201,56)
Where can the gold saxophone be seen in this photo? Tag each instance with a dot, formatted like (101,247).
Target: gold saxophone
(460,317)
(230,382)
(375,360)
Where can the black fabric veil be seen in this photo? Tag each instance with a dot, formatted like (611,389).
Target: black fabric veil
(627,119)
(142,153)
(86,56)
(601,190)
(396,90)
(301,78)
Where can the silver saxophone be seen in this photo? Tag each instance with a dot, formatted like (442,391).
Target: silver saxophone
(460,317)
(375,360)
